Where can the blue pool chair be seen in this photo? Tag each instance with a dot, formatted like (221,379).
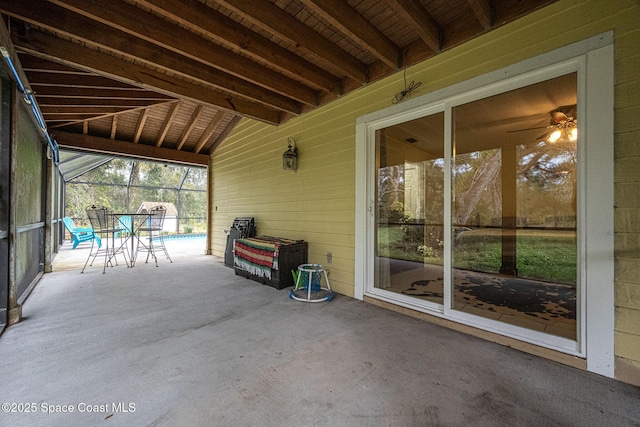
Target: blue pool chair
(79,234)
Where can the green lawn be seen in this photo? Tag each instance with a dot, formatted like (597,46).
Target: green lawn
(542,255)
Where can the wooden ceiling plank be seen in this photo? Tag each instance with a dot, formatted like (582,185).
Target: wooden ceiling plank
(96,34)
(168,121)
(208,132)
(414,13)
(142,119)
(271,18)
(209,22)
(350,23)
(132,20)
(189,127)
(148,152)
(58,50)
(482,10)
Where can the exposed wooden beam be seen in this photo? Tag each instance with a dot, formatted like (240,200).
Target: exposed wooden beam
(350,23)
(213,125)
(142,119)
(114,126)
(10,52)
(97,93)
(189,127)
(227,130)
(482,10)
(68,24)
(108,146)
(132,20)
(168,121)
(75,80)
(89,103)
(84,109)
(31,63)
(271,18)
(211,23)
(54,49)
(414,13)
(75,117)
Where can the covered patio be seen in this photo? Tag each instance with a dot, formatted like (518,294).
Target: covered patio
(191,343)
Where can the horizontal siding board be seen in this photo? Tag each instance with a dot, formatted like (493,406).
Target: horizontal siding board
(626,119)
(628,169)
(627,345)
(627,295)
(627,320)
(628,93)
(627,269)
(627,144)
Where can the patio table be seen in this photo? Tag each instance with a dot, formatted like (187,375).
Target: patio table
(137,221)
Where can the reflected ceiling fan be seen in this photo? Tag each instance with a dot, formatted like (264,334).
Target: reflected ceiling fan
(563,126)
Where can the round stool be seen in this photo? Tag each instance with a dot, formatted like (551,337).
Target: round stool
(309,287)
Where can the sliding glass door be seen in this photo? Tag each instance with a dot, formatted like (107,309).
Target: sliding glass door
(476,208)
(514,212)
(410,208)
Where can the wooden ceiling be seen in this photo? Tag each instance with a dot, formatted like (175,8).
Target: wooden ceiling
(169,79)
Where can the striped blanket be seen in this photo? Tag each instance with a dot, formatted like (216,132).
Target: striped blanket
(259,255)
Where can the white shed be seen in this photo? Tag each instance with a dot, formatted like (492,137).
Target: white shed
(171,217)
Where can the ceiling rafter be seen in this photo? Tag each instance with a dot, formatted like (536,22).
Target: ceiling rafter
(114,126)
(47,91)
(144,114)
(48,47)
(95,66)
(417,16)
(90,103)
(67,23)
(482,10)
(208,132)
(189,128)
(350,23)
(168,121)
(275,20)
(147,27)
(228,32)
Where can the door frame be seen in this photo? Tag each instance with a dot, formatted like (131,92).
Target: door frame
(594,60)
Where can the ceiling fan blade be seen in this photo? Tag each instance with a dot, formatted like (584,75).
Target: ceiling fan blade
(526,129)
(559,117)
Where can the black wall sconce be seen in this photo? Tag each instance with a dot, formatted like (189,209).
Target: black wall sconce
(290,157)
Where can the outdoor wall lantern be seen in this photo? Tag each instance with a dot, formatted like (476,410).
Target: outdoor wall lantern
(290,157)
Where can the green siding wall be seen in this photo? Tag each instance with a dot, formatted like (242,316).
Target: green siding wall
(316,203)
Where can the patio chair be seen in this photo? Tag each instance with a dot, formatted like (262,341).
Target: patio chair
(125,223)
(155,233)
(79,234)
(106,227)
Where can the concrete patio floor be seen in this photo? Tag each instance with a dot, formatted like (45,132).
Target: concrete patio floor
(191,344)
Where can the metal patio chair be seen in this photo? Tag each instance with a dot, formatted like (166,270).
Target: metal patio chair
(107,228)
(155,234)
